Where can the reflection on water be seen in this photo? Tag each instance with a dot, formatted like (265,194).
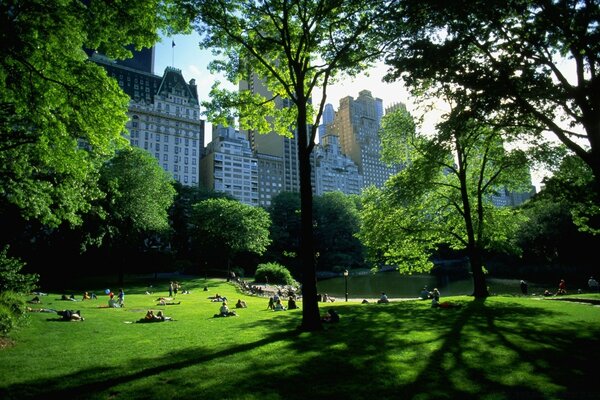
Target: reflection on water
(396,285)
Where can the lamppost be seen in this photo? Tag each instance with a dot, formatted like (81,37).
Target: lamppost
(346,280)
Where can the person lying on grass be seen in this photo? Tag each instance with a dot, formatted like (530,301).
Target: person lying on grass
(164,302)
(151,317)
(70,315)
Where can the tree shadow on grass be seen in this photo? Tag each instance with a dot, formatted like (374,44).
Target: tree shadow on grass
(401,350)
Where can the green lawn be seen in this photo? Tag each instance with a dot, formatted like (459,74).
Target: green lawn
(500,348)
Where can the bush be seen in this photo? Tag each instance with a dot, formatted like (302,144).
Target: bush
(10,276)
(275,274)
(12,311)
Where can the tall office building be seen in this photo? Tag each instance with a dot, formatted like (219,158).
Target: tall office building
(229,165)
(326,120)
(276,153)
(357,124)
(164,116)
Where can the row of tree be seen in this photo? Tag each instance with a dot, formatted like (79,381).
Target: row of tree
(497,63)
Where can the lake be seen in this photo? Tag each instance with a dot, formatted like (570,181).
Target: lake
(396,285)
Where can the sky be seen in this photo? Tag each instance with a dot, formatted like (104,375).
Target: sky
(187,56)
(193,63)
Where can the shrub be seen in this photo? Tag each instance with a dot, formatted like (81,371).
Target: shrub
(274,273)
(10,276)
(12,311)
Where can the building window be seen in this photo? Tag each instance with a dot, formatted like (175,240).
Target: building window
(165,157)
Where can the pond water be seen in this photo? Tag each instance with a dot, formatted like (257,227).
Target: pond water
(406,286)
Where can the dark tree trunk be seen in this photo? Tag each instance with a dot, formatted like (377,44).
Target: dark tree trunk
(311,320)
(480,289)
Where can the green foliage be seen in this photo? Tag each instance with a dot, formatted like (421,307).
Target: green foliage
(443,195)
(61,116)
(275,274)
(11,278)
(554,234)
(289,46)
(337,222)
(521,63)
(12,311)
(285,51)
(573,185)
(229,227)
(180,214)
(139,192)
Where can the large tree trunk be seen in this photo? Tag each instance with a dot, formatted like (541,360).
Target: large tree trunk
(311,320)
(480,289)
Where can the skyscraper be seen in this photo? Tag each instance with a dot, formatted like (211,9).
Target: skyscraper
(326,120)
(275,153)
(357,124)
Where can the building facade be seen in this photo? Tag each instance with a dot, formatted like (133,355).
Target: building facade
(332,170)
(275,153)
(164,116)
(229,165)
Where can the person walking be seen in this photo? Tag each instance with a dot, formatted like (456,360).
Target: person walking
(121,298)
(524,287)
(593,284)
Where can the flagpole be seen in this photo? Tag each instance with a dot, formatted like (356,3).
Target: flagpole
(173,53)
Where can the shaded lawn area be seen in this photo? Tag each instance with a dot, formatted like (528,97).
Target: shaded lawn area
(500,348)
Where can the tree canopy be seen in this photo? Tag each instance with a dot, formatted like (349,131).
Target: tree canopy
(294,48)
(61,116)
(527,63)
(228,227)
(442,196)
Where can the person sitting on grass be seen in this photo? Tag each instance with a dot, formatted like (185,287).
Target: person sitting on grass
(240,304)
(562,287)
(279,306)
(383,299)
(435,297)
(331,316)
(292,303)
(225,312)
(435,302)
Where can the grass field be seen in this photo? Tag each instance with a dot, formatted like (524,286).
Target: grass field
(500,348)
